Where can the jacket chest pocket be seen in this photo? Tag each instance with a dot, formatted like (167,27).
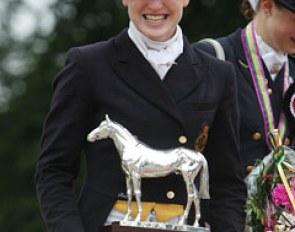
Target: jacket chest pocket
(197,116)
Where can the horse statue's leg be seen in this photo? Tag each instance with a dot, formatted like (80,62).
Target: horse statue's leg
(187,176)
(197,207)
(129,195)
(136,179)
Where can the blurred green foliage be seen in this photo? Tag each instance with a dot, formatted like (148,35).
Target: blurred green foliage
(26,87)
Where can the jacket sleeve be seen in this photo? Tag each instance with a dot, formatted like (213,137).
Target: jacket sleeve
(227,187)
(63,139)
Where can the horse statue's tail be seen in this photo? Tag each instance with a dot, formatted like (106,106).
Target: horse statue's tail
(204,180)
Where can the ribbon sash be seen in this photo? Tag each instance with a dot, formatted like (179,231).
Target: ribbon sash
(260,83)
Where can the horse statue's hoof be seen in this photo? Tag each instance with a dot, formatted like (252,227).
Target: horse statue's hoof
(127,218)
(137,219)
(196,224)
(181,222)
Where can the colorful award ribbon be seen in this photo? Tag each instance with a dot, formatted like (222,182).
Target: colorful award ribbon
(260,82)
(279,159)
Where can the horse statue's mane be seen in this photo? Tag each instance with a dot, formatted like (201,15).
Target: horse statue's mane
(122,131)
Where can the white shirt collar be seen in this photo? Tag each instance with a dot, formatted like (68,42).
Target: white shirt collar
(161,55)
(271,57)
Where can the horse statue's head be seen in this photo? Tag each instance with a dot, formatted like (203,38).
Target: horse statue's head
(101,132)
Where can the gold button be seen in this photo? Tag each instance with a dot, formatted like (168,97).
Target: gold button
(182,139)
(249,168)
(287,142)
(269,91)
(170,195)
(275,69)
(256,136)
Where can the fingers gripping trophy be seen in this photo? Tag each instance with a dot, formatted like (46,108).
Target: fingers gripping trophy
(139,161)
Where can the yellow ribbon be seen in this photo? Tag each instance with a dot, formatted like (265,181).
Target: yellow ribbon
(279,159)
(164,212)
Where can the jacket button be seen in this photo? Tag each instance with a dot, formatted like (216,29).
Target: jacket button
(287,142)
(170,195)
(269,91)
(249,168)
(182,139)
(256,136)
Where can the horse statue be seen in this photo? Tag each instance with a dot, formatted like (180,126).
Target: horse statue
(141,161)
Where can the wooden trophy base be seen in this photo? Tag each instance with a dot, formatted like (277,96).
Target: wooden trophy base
(116,227)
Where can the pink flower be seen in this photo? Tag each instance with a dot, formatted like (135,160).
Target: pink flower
(269,222)
(269,225)
(280,196)
(292,182)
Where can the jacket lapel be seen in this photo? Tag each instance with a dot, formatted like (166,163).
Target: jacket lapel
(139,75)
(240,57)
(183,77)
(247,94)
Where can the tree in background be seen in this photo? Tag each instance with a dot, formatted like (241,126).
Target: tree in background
(28,66)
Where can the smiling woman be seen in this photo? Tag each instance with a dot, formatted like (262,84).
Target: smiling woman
(149,79)
(156,19)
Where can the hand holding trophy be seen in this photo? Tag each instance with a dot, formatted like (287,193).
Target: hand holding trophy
(140,161)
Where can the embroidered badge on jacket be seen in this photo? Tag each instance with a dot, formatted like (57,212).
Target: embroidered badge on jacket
(201,140)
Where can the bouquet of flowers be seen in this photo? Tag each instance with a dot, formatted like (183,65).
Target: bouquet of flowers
(271,190)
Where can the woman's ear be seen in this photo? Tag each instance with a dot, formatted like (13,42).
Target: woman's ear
(185,3)
(125,2)
(266,6)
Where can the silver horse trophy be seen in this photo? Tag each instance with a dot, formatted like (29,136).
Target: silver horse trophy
(141,161)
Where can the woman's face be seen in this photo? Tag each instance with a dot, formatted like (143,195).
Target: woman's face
(280,27)
(156,19)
